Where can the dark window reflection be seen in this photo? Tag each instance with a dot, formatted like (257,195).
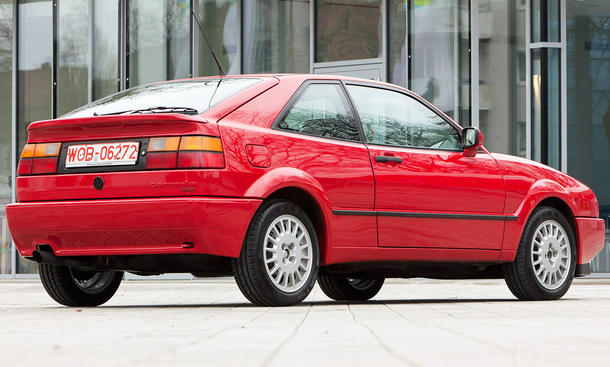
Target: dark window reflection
(391,118)
(348,29)
(322,111)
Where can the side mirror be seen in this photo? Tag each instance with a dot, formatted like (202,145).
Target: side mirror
(472,139)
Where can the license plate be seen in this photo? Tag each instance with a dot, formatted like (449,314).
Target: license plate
(123,153)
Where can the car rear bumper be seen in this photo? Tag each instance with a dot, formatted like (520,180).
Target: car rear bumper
(208,225)
(591,237)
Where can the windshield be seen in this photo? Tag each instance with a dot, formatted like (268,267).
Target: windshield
(199,95)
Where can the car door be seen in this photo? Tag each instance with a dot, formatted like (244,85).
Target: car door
(427,192)
(318,134)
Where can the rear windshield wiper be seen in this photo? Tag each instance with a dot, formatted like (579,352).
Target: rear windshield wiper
(156,109)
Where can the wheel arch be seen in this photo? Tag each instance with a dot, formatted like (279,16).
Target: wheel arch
(301,188)
(542,192)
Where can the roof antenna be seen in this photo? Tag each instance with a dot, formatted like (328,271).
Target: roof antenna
(220,71)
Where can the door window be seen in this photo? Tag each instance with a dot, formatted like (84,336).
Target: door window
(392,118)
(322,110)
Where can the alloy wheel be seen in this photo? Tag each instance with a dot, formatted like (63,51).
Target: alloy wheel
(551,254)
(288,253)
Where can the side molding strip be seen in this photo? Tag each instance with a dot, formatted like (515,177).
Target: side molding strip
(425,215)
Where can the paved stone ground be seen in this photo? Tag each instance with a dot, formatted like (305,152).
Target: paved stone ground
(209,323)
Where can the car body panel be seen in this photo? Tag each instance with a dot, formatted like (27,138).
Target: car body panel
(156,211)
(438,182)
(214,226)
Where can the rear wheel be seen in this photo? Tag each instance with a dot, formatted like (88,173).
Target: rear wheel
(78,288)
(546,259)
(279,261)
(342,288)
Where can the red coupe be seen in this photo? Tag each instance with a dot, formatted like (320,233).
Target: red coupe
(282,180)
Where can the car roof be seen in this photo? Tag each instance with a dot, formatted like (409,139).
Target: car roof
(302,77)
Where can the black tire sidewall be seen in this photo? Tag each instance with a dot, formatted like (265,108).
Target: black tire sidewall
(255,253)
(339,288)
(60,285)
(539,216)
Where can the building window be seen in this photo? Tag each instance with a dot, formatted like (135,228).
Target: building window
(502,72)
(104,48)
(545,21)
(348,30)
(220,22)
(398,52)
(276,36)
(440,62)
(87,52)
(159,40)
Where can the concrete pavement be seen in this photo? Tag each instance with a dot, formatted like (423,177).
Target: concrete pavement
(209,323)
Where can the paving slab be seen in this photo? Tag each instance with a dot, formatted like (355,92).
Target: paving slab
(209,323)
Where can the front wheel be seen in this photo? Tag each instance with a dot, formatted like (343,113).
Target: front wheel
(341,288)
(77,288)
(279,261)
(546,259)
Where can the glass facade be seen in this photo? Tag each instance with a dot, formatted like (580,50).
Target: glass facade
(6,142)
(588,103)
(533,74)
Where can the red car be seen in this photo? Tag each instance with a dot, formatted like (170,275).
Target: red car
(280,180)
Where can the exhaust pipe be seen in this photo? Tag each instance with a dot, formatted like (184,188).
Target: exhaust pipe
(44,255)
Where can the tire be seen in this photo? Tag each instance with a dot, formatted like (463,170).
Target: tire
(76,288)
(266,246)
(538,255)
(341,288)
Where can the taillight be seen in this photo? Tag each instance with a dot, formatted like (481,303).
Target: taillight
(185,152)
(38,159)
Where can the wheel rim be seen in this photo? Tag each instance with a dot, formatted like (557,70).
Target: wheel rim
(551,254)
(288,253)
(91,282)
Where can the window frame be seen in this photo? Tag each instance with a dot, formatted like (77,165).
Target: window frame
(408,94)
(297,95)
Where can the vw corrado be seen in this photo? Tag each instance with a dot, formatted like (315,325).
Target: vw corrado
(282,180)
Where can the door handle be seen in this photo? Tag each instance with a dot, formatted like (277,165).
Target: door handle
(387,159)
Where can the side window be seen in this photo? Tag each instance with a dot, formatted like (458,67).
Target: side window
(392,118)
(322,110)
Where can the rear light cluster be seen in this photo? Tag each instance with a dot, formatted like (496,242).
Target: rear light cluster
(163,153)
(38,159)
(185,152)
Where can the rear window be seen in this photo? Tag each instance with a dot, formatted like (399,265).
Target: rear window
(199,95)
